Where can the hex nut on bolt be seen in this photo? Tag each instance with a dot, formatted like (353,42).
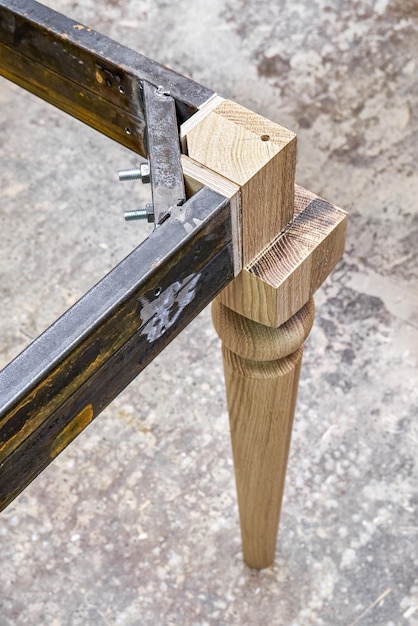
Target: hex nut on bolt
(141,214)
(143,173)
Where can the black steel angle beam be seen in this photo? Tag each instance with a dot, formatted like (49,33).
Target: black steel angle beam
(55,387)
(86,74)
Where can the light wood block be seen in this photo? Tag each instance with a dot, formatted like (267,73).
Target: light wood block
(256,154)
(196,177)
(283,276)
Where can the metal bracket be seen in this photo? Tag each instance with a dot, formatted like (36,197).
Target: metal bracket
(163,147)
(164,169)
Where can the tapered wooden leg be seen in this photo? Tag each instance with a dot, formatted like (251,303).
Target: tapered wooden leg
(262,366)
(288,241)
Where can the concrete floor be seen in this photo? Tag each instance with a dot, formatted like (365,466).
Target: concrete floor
(136,522)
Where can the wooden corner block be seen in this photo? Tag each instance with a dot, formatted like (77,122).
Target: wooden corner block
(195,177)
(256,154)
(282,278)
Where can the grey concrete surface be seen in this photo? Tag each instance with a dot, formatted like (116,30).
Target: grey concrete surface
(136,522)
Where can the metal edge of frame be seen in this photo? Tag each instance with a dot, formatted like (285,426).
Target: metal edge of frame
(55,387)
(86,74)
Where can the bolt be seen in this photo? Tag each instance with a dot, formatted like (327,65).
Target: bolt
(142,172)
(132,174)
(141,214)
(160,91)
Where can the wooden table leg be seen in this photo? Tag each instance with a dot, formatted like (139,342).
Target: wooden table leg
(262,366)
(290,240)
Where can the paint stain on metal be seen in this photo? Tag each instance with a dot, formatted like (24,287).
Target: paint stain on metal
(188,227)
(171,303)
(72,429)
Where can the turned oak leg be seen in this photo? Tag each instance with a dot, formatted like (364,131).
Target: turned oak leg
(262,366)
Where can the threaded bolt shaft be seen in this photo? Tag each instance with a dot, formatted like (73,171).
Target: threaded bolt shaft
(136,214)
(132,174)
(141,214)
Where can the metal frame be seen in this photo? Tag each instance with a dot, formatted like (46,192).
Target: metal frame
(86,74)
(55,387)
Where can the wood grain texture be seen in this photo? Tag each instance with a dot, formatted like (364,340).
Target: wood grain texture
(259,156)
(198,118)
(196,177)
(282,278)
(254,341)
(262,367)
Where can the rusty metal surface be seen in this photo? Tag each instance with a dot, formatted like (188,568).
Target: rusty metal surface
(53,389)
(163,150)
(86,74)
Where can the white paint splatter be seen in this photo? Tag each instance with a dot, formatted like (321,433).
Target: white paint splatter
(171,303)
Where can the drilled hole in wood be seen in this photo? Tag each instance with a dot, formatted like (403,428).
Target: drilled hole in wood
(128,131)
(121,89)
(265,137)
